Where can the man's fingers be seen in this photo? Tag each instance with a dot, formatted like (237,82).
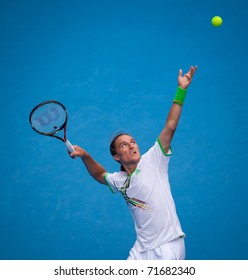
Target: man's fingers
(192,70)
(188,76)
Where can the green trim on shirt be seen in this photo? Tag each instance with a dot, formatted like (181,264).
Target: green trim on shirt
(161,146)
(105,178)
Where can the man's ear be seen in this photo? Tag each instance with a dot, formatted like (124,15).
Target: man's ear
(116,157)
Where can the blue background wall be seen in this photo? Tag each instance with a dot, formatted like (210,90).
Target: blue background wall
(114,64)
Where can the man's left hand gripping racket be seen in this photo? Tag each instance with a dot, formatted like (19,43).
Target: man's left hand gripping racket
(48,118)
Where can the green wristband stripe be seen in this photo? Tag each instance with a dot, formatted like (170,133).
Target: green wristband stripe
(178,102)
(180,96)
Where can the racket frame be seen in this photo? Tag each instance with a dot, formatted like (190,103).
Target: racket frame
(65,140)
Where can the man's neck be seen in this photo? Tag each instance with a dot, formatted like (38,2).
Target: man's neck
(130,168)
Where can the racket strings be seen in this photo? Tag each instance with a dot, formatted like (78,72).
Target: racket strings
(49,118)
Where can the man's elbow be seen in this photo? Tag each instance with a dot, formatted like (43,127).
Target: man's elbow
(171,125)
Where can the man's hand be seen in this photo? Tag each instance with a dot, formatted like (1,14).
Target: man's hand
(184,81)
(79,152)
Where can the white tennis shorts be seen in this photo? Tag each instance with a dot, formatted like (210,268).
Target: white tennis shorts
(174,250)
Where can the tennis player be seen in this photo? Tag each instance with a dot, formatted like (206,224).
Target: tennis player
(143,181)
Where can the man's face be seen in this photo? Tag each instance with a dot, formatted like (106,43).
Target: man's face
(127,151)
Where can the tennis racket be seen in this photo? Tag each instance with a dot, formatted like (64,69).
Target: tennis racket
(48,118)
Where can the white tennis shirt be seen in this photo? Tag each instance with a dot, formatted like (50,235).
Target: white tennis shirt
(148,196)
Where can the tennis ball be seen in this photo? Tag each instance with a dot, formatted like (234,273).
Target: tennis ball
(217,21)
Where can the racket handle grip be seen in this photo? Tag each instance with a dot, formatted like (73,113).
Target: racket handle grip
(69,146)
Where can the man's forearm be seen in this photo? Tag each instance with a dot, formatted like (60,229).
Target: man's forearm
(95,169)
(173,117)
(169,129)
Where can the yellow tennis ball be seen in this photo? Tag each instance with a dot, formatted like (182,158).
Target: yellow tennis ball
(217,21)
